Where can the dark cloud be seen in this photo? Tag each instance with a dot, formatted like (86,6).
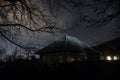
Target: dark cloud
(69,15)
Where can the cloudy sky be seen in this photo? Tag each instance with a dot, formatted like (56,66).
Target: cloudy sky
(69,16)
(90,35)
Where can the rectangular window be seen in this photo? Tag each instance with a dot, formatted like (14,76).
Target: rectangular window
(60,59)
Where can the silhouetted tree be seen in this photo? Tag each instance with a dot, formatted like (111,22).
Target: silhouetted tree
(17,16)
(2,52)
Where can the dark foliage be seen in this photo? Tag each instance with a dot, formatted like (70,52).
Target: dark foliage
(32,69)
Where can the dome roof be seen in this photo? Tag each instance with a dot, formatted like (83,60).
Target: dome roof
(66,44)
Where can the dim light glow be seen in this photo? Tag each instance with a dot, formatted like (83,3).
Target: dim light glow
(72,59)
(115,58)
(109,58)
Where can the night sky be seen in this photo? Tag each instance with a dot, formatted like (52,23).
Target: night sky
(69,16)
(90,35)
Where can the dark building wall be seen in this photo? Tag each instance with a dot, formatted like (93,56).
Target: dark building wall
(67,57)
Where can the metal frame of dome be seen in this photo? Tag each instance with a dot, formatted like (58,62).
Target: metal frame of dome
(67,47)
(67,43)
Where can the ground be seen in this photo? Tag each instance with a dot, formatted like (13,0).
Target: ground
(33,69)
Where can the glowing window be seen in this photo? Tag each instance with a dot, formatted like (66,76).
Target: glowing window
(109,58)
(115,58)
(72,59)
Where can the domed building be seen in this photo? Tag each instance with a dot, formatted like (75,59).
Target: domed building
(67,49)
(109,50)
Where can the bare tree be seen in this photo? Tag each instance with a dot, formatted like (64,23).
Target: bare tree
(100,12)
(105,11)
(2,52)
(17,16)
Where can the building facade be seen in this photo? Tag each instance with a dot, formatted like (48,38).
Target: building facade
(67,49)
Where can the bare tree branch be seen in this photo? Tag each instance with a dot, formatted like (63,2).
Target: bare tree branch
(33,17)
(24,14)
(14,42)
